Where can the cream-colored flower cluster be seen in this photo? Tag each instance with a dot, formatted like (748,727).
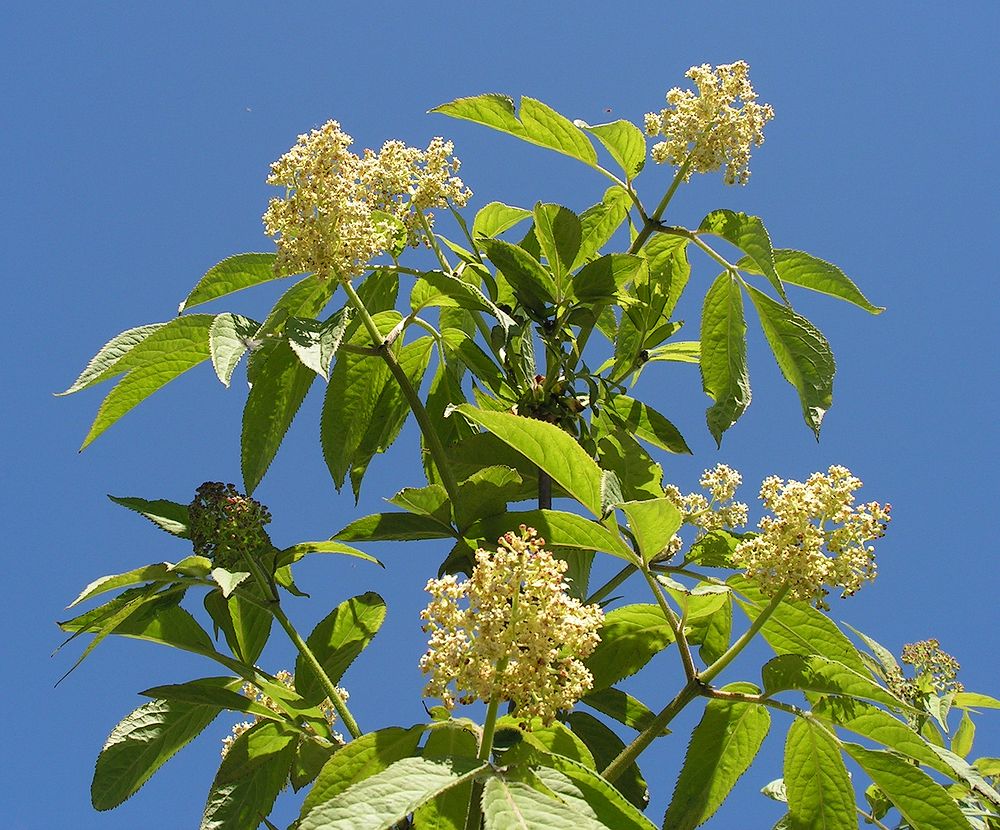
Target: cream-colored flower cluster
(717,511)
(936,670)
(257,695)
(341,210)
(714,127)
(811,520)
(510,632)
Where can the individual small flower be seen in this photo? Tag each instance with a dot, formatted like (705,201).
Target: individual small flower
(715,127)
(510,632)
(341,210)
(816,537)
(225,525)
(717,511)
(257,695)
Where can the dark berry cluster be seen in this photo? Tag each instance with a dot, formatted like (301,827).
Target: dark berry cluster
(226,525)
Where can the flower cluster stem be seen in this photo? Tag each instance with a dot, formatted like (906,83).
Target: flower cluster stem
(731,653)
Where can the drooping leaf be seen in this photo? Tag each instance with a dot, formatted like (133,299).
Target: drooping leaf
(211,691)
(158,572)
(923,803)
(713,633)
(255,769)
(624,141)
(807,271)
(360,759)
(724,355)
(802,353)
(974,700)
(228,339)
(103,364)
(819,791)
(233,274)
(160,357)
(637,474)
(311,754)
(722,747)
(814,673)
(314,342)
(749,235)
(280,386)
(293,553)
(378,802)
(648,424)
(533,285)
(548,447)
(139,745)
(337,640)
(686,351)
(245,624)
(166,515)
(653,523)
(630,637)
(605,746)
(495,218)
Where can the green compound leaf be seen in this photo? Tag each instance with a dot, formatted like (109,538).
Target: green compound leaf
(722,747)
(807,271)
(254,771)
(316,343)
(360,759)
(647,424)
(378,802)
(798,628)
(166,515)
(539,124)
(496,217)
(749,235)
(559,234)
(624,141)
(337,640)
(228,340)
(549,448)
(559,529)
(599,223)
(280,385)
(533,285)
(232,274)
(211,691)
(923,803)
(653,523)
(161,356)
(605,746)
(139,745)
(820,795)
(802,353)
(814,673)
(293,553)
(102,365)
(724,374)
(601,280)
(621,706)
(630,637)
(158,572)
(515,805)
(245,624)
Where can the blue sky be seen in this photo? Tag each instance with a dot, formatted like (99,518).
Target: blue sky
(137,139)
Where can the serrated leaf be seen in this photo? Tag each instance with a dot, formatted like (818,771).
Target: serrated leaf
(630,637)
(549,448)
(139,745)
(923,803)
(220,692)
(381,527)
(647,424)
(485,493)
(233,274)
(638,475)
(162,356)
(533,285)
(337,640)
(961,743)
(159,572)
(280,386)
(514,805)
(245,624)
(722,747)
(714,633)
(559,234)
(360,759)
(600,222)
(166,515)
(378,802)
(724,374)
(814,673)
(806,271)
(798,628)
(316,343)
(103,364)
(228,339)
(749,235)
(293,553)
(819,791)
(624,141)
(250,777)
(449,810)
(974,700)
(687,351)
(496,217)
(605,746)
(621,706)
(802,353)
(653,523)
(601,280)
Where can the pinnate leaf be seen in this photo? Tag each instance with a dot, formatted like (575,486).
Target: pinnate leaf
(232,274)
(624,141)
(819,791)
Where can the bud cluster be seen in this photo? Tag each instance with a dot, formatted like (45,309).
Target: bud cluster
(225,525)
(715,127)
(341,210)
(816,537)
(510,632)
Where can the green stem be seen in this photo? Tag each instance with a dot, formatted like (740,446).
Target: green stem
(611,584)
(731,653)
(434,445)
(473,818)
(653,220)
(332,692)
(676,624)
(870,818)
(627,756)
(432,241)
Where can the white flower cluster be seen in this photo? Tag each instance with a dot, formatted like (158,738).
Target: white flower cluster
(717,511)
(715,127)
(811,520)
(340,211)
(510,632)
(255,694)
